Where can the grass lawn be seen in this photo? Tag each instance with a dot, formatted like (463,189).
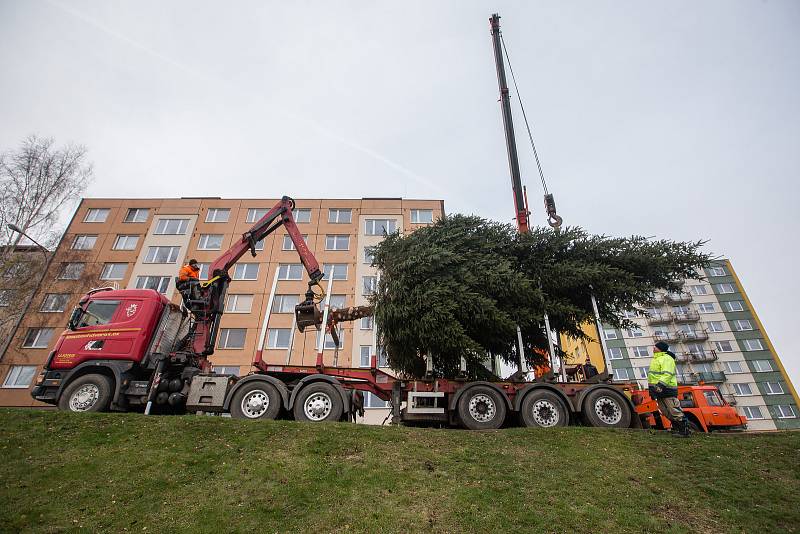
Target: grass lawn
(118,472)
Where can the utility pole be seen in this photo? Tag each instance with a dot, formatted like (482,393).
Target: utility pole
(48,257)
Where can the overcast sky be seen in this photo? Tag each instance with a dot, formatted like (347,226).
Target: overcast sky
(678,120)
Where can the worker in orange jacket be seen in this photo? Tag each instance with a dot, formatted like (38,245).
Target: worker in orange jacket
(189,280)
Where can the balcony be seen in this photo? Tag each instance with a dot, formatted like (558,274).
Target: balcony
(668,336)
(659,318)
(712,377)
(704,356)
(694,335)
(687,380)
(681,297)
(686,317)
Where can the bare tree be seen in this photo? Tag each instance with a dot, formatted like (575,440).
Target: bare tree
(36,182)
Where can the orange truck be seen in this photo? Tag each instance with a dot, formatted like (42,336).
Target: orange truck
(705,408)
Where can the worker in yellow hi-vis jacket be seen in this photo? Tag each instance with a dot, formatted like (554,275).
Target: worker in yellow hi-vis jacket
(662,379)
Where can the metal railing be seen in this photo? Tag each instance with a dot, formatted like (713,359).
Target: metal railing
(659,318)
(681,297)
(711,377)
(685,317)
(694,335)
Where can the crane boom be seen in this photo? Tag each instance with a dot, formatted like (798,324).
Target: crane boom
(520,201)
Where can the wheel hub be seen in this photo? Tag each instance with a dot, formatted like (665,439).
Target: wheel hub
(482,408)
(545,413)
(317,406)
(608,410)
(84,398)
(255,403)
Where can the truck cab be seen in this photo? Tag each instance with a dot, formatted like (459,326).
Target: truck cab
(703,405)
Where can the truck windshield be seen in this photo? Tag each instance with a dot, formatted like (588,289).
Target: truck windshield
(713,398)
(98,312)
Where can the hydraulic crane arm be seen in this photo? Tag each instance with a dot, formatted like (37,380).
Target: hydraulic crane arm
(208,309)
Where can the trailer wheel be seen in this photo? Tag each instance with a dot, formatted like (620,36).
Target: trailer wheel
(606,408)
(481,408)
(318,402)
(87,393)
(256,400)
(543,409)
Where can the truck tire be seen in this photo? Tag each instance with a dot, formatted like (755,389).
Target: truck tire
(318,402)
(256,400)
(543,409)
(606,409)
(481,408)
(87,393)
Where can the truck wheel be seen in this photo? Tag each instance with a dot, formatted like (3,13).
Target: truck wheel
(256,400)
(318,402)
(481,408)
(606,408)
(543,409)
(87,393)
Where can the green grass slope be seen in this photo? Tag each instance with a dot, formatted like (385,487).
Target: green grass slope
(118,472)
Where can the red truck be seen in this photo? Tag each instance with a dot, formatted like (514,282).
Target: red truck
(705,408)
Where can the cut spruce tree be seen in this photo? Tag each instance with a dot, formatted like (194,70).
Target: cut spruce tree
(459,288)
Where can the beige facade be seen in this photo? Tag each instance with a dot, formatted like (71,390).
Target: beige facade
(135,247)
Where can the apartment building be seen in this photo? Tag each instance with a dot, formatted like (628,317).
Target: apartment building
(141,243)
(714,330)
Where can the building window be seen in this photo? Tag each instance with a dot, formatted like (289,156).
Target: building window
(245,271)
(159,283)
(773,388)
(421,216)
(19,376)
(339,271)
(218,215)
(340,215)
(126,242)
(742,325)
(171,226)
(742,390)
(329,344)
(369,285)
(762,366)
(54,302)
(367,322)
(255,214)
(302,215)
(723,346)
(288,244)
(137,215)
(715,326)
(706,307)
(284,303)
(113,271)
(716,271)
(615,353)
(226,370)
(84,242)
(724,289)
(278,338)
(290,271)
(641,351)
(239,304)
(380,226)
(610,333)
(366,351)
(698,290)
(752,412)
(640,373)
(785,411)
(733,367)
(338,301)
(337,242)
(232,338)
(369,255)
(96,215)
(752,344)
(204,270)
(38,338)
(631,314)
(734,305)
(71,271)
(162,254)
(373,401)
(210,242)
(622,374)
(634,332)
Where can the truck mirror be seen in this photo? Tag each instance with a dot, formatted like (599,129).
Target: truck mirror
(75,318)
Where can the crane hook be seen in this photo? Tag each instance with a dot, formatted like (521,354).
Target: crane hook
(553,219)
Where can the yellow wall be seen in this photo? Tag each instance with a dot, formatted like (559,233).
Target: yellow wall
(578,349)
